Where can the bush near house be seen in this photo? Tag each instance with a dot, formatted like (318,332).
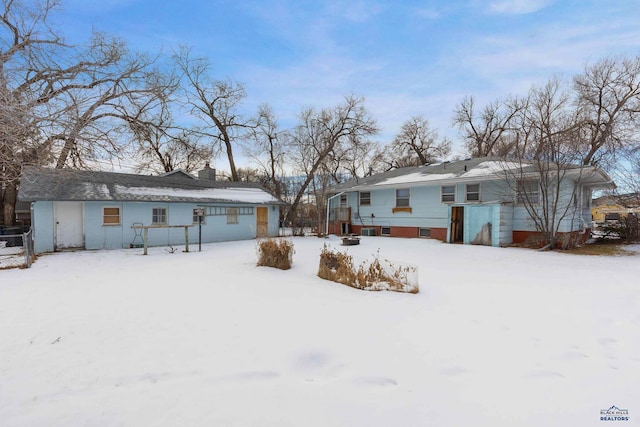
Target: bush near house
(276,253)
(377,275)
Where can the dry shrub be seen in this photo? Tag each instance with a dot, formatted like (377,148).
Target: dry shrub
(276,253)
(374,276)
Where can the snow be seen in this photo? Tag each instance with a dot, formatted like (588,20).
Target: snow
(496,337)
(489,168)
(247,195)
(416,177)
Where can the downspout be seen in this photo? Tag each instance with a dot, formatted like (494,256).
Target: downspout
(326,224)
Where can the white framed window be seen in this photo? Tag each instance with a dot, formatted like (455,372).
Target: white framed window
(159,216)
(202,219)
(528,191)
(385,231)
(110,215)
(403,198)
(448,193)
(344,199)
(365,198)
(473,192)
(232,215)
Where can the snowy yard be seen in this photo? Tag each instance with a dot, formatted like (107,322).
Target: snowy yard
(496,337)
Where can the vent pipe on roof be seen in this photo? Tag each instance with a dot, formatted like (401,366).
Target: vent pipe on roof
(207,173)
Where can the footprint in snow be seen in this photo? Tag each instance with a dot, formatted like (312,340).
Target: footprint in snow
(374,381)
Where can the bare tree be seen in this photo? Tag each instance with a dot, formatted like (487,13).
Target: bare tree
(63,100)
(486,133)
(216,103)
(319,135)
(269,150)
(608,103)
(417,144)
(545,169)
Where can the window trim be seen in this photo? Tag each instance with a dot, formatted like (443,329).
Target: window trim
(105,215)
(382,233)
(195,216)
(360,198)
(466,193)
(421,229)
(452,193)
(521,192)
(233,214)
(407,198)
(164,216)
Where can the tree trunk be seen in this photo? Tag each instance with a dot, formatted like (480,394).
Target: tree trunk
(9,206)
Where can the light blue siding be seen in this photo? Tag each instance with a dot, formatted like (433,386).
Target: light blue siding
(43,227)
(99,236)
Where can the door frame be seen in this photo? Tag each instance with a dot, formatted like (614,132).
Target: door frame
(262,225)
(61,215)
(456,225)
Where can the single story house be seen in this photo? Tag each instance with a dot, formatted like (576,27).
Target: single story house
(613,207)
(476,201)
(99,210)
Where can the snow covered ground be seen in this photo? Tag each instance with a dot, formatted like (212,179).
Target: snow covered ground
(496,337)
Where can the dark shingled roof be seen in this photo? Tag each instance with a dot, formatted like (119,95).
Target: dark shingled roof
(75,185)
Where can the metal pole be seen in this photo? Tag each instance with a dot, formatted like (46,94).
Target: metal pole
(199,232)
(146,232)
(186,238)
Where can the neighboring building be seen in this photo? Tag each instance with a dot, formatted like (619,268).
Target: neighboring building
(96,210)
(612,208)
(470,201)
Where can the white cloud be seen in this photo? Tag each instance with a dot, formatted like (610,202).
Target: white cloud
(517,7)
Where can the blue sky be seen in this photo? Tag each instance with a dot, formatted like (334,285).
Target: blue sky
(405,57)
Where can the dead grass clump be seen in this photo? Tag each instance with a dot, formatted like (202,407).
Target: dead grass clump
(372,276)
(601,249)
(276,253)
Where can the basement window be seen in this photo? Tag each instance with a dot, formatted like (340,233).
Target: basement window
(385,231)
(424,232)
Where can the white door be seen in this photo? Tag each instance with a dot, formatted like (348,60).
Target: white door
(68,225)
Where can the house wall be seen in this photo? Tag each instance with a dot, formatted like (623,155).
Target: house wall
(508,221)
(99,236)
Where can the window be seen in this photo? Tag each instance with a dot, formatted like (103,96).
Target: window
(343,200)
(528,192)
(159,216)
(424,232)
(110,216)
(448,193)
(402,198)
(219,210)
(385,231)
(365,198)
(195,216)
(473,192)
(232,215)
